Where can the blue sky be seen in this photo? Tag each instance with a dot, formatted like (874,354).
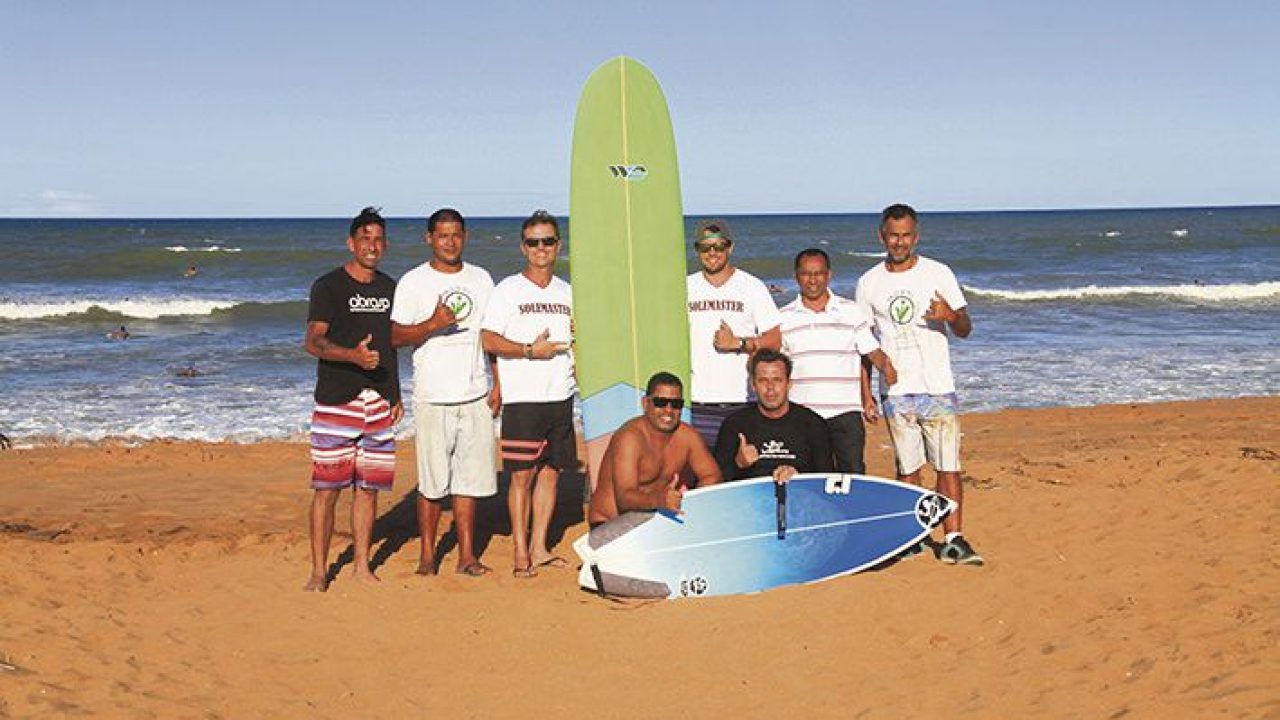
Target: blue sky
(142,108)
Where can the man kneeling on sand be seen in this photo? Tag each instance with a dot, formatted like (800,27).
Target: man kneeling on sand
(642,467)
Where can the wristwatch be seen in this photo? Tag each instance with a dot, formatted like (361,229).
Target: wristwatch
(528,351)
(742,345)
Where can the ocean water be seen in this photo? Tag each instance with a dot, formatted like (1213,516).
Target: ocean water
(1069,307)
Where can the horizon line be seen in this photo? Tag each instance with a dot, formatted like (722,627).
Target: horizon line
(766,213)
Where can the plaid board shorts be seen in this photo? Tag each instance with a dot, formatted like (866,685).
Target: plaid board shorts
(353,444)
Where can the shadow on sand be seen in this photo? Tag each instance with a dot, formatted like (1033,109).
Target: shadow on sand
(395,528)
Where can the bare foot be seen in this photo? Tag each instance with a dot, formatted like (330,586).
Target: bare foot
(427,567)
(317,583)
(367,577)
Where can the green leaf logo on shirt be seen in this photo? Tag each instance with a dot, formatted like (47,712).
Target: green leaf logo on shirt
(902,310)
(460,303)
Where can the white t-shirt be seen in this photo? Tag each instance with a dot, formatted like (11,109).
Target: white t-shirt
(450,366)
(519,310)
(826,349)
(897,301)
(746,305)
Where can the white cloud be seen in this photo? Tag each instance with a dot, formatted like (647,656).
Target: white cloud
(58,203)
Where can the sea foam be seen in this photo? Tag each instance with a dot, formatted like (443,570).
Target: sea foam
(141,308)
(1211,293)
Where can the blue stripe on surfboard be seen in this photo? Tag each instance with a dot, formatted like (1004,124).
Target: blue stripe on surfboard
(608,409)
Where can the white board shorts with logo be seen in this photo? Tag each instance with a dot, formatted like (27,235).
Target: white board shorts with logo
(456,447)
(924,428)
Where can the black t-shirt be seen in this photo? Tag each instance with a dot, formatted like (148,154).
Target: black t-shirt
(353,310)
(800,439)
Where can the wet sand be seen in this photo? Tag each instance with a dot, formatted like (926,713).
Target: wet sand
(1132,573)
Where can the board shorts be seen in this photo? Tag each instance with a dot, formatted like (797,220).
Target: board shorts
(708,417)
(924,428)
(539,433)
(456,447)
(353,444)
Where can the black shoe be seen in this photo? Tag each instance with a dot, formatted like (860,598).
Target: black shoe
(911,552)
(959,552)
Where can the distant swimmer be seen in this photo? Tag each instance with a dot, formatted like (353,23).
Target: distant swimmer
(648,454)
(189,371)
(121,334)
(775,289)
(191,272)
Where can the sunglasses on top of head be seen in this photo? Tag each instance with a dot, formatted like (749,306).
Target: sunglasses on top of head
(665,402)
(543,241)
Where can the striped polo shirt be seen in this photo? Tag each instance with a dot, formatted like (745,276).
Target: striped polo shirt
(826,347)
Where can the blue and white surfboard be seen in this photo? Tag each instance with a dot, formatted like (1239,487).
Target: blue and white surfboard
(746,536)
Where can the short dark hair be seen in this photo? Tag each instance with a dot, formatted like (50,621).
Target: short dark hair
(541,217)
(767,356)
(662,377)
(444,215)
(897,211)
(813,252)
(368,216)
(712,227)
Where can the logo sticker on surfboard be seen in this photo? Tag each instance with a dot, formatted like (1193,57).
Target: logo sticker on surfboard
(696,585)
(930,509)
(629,173)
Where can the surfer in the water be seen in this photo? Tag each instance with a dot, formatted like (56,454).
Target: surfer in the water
(647,457)
(731,316)
(775,436)
(914,301)
(357,394)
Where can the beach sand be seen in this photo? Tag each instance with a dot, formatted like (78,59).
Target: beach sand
(1132,573)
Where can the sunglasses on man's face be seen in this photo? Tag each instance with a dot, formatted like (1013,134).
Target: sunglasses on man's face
(703,247)
(665,402)
(533,242)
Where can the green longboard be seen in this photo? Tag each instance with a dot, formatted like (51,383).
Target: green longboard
(626,248)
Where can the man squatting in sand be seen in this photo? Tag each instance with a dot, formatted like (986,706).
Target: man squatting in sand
(830,342)
(438,307)
(357,394)
(731,316)
(646,457)
(775,436)
(527,327)
(914,300)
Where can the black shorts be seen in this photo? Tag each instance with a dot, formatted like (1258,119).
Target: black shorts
(536,434)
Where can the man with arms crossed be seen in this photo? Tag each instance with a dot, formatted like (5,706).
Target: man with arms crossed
(913,301)
(775,436)
(642,467)
(527,327)
(437,309)
(827,337)
(731,316)
(357,394)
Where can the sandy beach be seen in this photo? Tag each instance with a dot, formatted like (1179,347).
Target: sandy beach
(1132,573)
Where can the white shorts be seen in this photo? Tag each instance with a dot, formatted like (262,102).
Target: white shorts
(456,447)
(924,428)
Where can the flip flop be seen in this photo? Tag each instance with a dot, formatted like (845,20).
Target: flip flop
(555,561)
(475,568)
(524,573)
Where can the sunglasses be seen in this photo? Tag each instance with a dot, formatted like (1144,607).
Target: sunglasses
(664,402)
(533,242)
(703,247)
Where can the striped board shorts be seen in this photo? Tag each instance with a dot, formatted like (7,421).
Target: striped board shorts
(353,444)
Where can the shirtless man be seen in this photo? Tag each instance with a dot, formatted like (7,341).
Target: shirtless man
(646,456)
